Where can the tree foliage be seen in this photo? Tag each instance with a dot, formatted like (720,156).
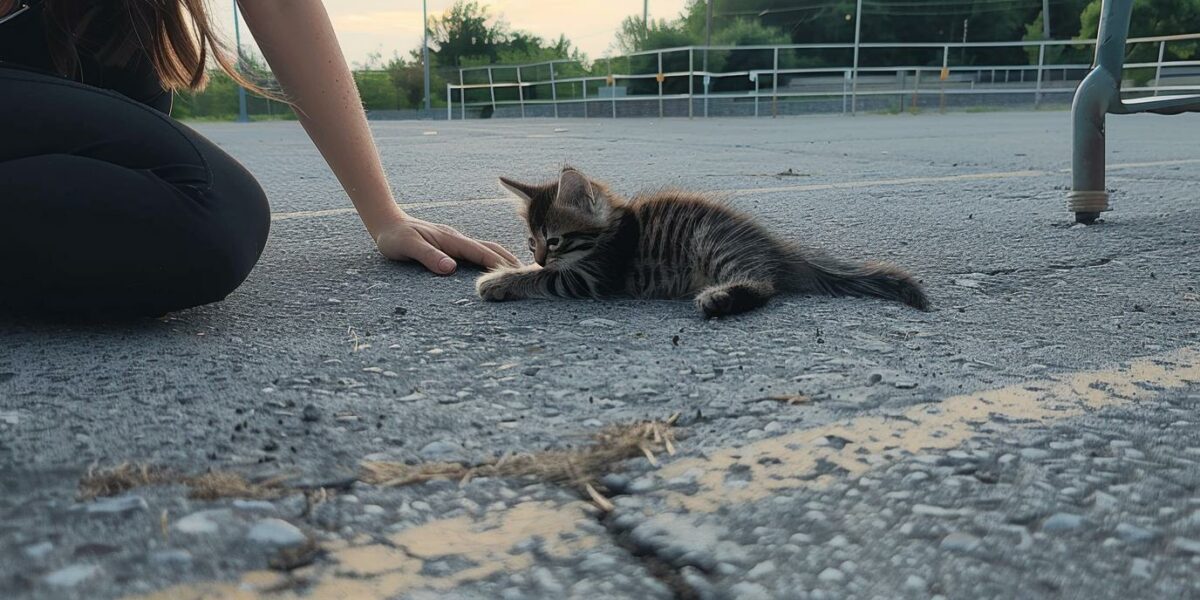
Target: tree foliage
(1152,18)
(468,35)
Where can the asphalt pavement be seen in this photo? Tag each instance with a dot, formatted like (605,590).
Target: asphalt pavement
(1036,435)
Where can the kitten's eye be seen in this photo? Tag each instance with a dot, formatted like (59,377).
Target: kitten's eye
(552,242)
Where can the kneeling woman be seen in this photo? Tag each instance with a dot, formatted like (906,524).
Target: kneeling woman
(109,206)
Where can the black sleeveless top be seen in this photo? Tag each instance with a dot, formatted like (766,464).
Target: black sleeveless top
(25,42)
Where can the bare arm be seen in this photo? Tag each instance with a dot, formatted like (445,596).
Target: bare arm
(298,42)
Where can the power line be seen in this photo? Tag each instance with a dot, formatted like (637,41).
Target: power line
(775,11)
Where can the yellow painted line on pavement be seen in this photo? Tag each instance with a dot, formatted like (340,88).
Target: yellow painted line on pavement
(839,185)
(371,570)
(1160,163)
(309,214)
(790,461)
(378,571)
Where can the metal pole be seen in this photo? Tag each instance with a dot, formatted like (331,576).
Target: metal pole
(1045,19)
(775,85)
(857,39)
(492,90)
(612,88)
(945,73)
(708,31)
(646,16)
(553,90)
(243,116)
(462,96)
(449,104)
(691,79)
(962,55)
(755,95)
(1037,99)
(425,51)
(707,43)
(520,92)
(660,85)
(845,84)
(1158,68)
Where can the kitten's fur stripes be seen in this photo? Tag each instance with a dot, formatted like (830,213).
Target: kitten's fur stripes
(589,243)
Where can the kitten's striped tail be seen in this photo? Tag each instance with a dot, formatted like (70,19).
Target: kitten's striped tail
(813,271)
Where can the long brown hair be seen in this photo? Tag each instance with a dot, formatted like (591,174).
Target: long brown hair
(176,36)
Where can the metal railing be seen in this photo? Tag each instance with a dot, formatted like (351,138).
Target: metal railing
(510,90)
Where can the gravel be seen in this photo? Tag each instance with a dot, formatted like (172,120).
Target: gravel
(117,506)
(276,532)
(71,576)
(1060,522)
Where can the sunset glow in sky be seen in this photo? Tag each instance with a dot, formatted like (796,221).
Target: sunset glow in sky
(366,26)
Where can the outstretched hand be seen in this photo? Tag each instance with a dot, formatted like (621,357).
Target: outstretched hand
(436,246)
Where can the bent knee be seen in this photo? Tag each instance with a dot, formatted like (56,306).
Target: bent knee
(236,241)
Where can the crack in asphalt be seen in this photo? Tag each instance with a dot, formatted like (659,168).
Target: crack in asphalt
(1099,262)
(659,568)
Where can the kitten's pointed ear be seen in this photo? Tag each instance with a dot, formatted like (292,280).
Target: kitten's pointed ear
(523,191)
(574,188)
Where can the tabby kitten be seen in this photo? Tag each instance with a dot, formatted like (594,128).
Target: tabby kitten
(590,243)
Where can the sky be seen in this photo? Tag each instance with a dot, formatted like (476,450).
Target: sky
(367,26)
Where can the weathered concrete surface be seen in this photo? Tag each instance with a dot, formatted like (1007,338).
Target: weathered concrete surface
(1034,436)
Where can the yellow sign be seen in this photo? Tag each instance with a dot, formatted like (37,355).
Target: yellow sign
(660,77)
(945,73)
(611,80)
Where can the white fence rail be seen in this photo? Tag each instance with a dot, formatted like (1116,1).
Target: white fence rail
(557,85)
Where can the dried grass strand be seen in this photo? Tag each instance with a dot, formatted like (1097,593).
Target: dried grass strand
(576,467)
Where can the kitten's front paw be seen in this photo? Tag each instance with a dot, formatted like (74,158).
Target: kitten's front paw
(714,303)
(493,286)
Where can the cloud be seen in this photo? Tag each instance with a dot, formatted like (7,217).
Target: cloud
(366,26)
(590,24)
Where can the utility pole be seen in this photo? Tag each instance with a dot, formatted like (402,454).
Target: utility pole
(854,77)
(1045,19)
(425,50)
(243,117)
(708,30)
(646,16)
(962,56)
(708,41)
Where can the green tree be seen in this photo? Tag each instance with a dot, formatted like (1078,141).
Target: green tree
(377,90)
(633,36)
(747,32)
(740,31)
(466,35)
(407,78)
(1150,18)
(217,100)
(464,31)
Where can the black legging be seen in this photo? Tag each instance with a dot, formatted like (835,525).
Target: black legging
(110,207)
